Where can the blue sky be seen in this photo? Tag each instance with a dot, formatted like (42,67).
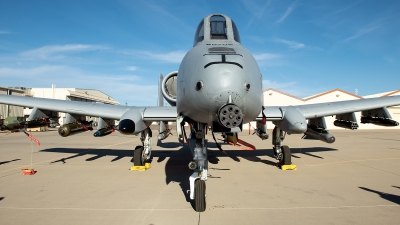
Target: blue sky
(120,47)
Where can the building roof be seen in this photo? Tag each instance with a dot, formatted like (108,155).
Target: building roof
(328,92)
(12,89)
(316,95)
(397,92)
(281,92)
(91,97)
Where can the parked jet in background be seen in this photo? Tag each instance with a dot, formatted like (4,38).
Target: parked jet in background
(218,86)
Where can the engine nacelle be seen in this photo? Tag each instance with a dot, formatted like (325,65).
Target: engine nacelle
(132,122)
(293,122)
(169,87)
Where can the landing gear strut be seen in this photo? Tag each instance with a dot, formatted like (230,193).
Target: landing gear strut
(198,146)
(142,152)
(282,152)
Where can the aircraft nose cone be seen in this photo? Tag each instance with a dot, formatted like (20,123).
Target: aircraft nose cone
(126,126)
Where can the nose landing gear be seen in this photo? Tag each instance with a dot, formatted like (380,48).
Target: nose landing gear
(199,165)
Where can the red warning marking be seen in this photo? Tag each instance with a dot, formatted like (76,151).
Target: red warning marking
(28,171)
(32,138)
(243,145)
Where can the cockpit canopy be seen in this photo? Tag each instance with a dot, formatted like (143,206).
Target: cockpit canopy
(220,27)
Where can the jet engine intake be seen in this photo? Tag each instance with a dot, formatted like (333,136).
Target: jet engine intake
(169,87)
(230,115)
(131,121)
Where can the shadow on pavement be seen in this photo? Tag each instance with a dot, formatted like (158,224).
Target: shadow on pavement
(4,162)
(390,197)
(309,151)
(176,168)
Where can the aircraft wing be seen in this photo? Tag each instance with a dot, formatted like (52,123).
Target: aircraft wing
(91,109)
(310,111)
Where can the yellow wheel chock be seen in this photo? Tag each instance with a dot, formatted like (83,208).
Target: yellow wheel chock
(287,167)
(141,168)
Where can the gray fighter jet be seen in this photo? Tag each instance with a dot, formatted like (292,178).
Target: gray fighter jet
(219,87)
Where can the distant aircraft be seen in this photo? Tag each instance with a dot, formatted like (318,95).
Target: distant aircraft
(219,87)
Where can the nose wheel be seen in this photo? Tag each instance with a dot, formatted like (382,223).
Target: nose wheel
(200,195)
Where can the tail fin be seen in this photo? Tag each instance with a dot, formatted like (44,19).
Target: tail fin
(163,129)
(160,96)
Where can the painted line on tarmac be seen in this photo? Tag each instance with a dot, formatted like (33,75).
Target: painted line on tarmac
(211,208)
(311,207)
(28,165)
(350,161)
(91,209)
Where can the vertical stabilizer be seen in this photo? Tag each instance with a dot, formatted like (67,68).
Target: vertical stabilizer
(163,129)
(160,96)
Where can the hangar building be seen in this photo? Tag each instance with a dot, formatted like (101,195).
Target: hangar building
(273,97)
(71,94)
(10,110)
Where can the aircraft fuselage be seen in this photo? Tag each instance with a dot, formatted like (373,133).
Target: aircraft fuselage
(219,72)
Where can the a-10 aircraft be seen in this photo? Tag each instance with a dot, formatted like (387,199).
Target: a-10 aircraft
(219,87)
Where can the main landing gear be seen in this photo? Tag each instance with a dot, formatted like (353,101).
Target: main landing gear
(281,152)
(198,146)
(142,152)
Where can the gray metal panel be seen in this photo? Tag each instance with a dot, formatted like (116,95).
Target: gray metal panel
(334,108)
(381,112)
(160,114)
(347,117)
(36,114)
(273,113)
(319,122)
(73,107)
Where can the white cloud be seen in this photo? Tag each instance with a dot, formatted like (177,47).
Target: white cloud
(30,72)
(50,50)
(5,32)
(292,88)
(288,11)
(122,88)
(363,31)
(169,57)
(131,68)
(277,85)
(256,9)
(291,44)
(266,56)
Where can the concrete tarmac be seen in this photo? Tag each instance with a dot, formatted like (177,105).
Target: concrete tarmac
(81,179)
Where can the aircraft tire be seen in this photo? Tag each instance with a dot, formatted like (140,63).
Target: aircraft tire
(286,156)
(138,158)
(200,195)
